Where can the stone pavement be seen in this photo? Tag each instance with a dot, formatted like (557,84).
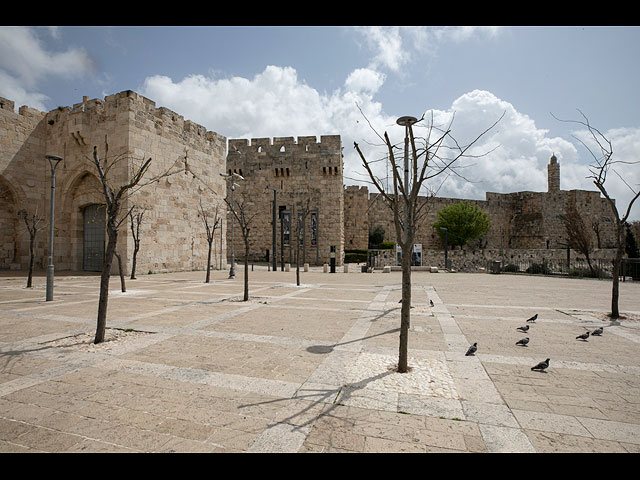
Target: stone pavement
(189,367)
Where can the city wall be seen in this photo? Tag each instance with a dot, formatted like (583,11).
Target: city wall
(301,171)
(126,127)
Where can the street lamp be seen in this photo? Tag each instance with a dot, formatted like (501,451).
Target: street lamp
(232,270)
(274,260)
(406,122)
(53,163)
(446,260)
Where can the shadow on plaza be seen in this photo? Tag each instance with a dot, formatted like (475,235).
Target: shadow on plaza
(329,396)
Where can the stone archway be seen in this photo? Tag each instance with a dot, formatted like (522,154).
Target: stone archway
(9,224)
(81,192)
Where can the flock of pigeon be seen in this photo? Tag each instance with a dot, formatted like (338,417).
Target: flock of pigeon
(524,341)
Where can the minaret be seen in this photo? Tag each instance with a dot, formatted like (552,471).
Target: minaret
(553,174)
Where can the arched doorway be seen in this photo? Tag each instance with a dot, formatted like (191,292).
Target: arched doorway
(8,227)
(93,237)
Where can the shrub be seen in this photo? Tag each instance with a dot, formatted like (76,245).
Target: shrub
(387,245)
(538,268)
(510,268)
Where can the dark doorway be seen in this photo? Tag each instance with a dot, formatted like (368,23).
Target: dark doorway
(93,236)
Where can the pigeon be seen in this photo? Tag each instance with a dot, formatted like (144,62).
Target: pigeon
(597,332)
(542,365)
(523,329)
(533,319)
(472,349)
(431,303)
(584,336)
(523,342)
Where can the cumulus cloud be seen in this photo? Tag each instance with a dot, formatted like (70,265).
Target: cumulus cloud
(25,61)
(276,103)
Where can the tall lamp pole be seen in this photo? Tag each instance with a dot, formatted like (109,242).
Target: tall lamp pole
(232,270)
(274,256)
(406,122)
(53,163)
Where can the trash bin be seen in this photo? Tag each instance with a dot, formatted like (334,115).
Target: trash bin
(496,266)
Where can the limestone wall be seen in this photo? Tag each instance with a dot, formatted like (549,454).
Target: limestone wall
(306,169)
(126,128)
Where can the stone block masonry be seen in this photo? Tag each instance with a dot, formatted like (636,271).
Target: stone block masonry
(124,126)
(300,171)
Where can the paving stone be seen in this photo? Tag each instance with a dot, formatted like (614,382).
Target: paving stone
(308,372)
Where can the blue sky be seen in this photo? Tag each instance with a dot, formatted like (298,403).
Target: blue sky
(248,82)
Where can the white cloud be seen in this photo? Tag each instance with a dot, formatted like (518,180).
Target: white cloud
(276,103)
(386,42)
(24,62)
(364,79)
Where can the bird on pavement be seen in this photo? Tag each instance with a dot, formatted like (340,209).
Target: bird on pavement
(533,319)
(523,341)
(472,349)
(584,336)
(597,332)
(542,365)
(523,329)
(431,303)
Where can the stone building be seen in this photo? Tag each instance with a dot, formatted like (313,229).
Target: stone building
(125,126)
(300,171)
(520,220)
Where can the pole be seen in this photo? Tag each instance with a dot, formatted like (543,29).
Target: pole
(274,260)
(50,268)
(281,243)
(406,182)
(232,271)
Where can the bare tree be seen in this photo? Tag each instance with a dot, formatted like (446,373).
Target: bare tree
(245,218)
(115,195)
(438,151)
(578,235)
(136,215)
(603,162)
(212,221)
(595,226)
(33,223)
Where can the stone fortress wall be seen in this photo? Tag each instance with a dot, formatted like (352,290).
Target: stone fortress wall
(520,221)
(127,126)
(301,170)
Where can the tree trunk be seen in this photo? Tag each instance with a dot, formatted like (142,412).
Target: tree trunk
(104,285)
(246,270)
(588,258)
(405,312)
(615,290)
(123,287)
(209,263)
(30,276)
(298,265)
(133,261)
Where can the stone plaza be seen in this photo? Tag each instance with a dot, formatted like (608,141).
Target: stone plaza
(189,367)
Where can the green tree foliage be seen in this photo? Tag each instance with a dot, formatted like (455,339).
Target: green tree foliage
(464,221)
(376,237)
(631,247)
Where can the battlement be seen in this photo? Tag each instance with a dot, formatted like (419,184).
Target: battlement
(329,144)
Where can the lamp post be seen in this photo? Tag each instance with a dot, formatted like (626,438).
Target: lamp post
(406,122)
(446,260)
(232,270)
(273,232)
(53,163)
